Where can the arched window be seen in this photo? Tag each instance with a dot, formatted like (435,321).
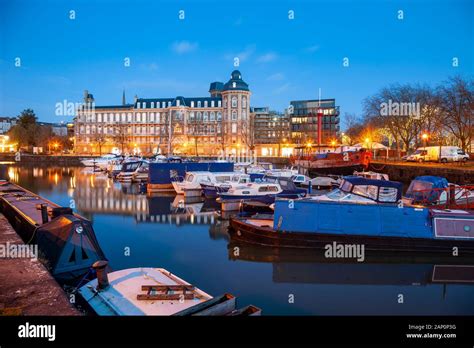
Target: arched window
(244,102)
(234,101)
(205,103)
(244,115)
(198,116)
(219,116)
(213,116)
(199,104)
(234,115)
(205,116)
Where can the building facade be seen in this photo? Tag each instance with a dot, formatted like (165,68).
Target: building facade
(6,123)
(180,125)
(314,122)
(271,132)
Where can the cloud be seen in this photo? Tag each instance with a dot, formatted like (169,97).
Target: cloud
(242,55)
(312,49)
(276,77)
(282,88)
(182,47)
(268,57)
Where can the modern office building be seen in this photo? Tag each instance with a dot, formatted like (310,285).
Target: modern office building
(271,132)
(314,122)
(183,125)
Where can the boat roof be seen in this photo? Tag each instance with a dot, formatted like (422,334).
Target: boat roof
(357,180)
(120,298)
(437,181)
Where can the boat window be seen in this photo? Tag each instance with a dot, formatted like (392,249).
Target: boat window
(190,177)
(222,178)
(388,194)
(418,185)
(263,189)
(272,188)
(245,192)
(346,186)
(369,191)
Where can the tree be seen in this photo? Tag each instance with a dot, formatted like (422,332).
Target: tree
(457,107)
(248,132)
(25,131)
(99,140)
(121,136)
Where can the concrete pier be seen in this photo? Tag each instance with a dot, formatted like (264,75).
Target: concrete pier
(26,286)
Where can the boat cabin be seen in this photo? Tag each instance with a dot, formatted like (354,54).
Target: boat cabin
(354,188)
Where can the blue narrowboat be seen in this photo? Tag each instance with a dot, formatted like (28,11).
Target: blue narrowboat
(361,210)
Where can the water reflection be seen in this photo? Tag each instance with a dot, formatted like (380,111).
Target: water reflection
(191,240)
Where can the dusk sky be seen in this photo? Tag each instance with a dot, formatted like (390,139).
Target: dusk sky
(281,59)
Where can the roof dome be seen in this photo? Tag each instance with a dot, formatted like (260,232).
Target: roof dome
(236,82)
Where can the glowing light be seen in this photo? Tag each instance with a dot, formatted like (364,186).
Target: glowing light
(425,136)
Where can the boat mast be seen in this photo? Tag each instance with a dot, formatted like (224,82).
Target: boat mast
(169,133)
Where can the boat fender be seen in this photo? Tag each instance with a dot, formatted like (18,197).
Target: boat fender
(280,221)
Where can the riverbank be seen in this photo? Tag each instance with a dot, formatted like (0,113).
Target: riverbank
(26,286)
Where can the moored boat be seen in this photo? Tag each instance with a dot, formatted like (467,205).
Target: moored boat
(364,211)
(153,291)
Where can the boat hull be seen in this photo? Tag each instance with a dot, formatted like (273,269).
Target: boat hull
(242,231)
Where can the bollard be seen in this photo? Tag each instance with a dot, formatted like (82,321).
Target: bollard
(102,278)
(310,187)
(44,213)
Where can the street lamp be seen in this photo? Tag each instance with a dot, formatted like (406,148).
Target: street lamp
(425,137)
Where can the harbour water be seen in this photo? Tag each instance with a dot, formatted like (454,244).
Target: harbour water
(191,241)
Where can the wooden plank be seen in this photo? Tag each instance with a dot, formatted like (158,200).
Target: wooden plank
(168,287)
(165,297)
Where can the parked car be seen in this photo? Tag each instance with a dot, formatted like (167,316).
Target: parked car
(437,153)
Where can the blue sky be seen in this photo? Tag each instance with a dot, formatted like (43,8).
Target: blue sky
(281,59)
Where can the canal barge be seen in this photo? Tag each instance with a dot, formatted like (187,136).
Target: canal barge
(361,211)
(154,291)
(66,241)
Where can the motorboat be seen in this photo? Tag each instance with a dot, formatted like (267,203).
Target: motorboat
(100,161)
(265,191)
(435,191)
(128,169)
(141,173)
(212,189)
(371,175)
(193,180)
(285,172)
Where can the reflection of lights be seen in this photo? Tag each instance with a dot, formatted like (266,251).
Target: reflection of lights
(92,180)
(56,178)
(192,218)
(12,175)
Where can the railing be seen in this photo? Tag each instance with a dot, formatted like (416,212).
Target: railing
(450,197)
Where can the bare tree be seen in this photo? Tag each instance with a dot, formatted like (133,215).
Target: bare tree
(248,132)
(121,136)
(457,106)
(99,140)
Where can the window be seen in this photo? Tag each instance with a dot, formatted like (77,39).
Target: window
(152,105)
(213,116)
(169,104)
(178,102)
(234,85)
(234,128)
(123,117)
(205,116)
(117,117)
(138,117)
(99,118)
(205,103)
(212,103)
(144,105)
(244,115)
(198,116)
(191,115)
(234,115)
(219,103)
(199,104)
(192,103)
(219,116)
(152,117)
(234,102)
(138,105)
(244,102)
(157,105)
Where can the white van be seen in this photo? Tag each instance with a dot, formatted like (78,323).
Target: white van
(435,153)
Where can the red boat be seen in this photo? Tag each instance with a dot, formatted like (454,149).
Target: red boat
(342,163)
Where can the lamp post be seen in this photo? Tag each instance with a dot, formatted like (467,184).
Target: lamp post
(425,137)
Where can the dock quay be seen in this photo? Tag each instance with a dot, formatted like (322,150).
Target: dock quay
(461,174)
(26,286)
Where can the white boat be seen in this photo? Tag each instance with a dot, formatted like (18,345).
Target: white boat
(153,291)
(100,161)
(193,180)
(285,173)
(128,169)
(323,182)
(372,175)
(211,189)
